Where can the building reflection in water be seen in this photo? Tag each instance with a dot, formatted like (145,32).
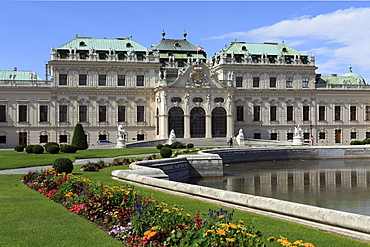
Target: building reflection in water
(335,184)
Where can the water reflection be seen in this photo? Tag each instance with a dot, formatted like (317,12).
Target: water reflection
(335,184)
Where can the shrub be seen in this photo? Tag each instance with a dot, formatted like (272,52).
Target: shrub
(190,145)
(53,149)
(68,149)
(47,145)
(355,143)
(366,141)
(79,138)
(159,146)
(166,152)
(63,165)
(19,148)
(174,145)
(29,149)
(167,145)
(180,145)
(38,149)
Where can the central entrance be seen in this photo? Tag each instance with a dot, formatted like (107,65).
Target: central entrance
(197,123)
(176,121)
(219,122)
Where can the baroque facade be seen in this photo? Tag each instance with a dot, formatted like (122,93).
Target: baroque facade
(264,89)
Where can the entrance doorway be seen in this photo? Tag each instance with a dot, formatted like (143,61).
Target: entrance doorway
(22,138)
(338,136)
(176,121)
(197,123)
(219,122)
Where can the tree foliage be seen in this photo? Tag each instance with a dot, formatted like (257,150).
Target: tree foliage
(79,138)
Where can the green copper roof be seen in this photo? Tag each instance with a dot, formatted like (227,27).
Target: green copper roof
(18,75)
(349,78)
(119,44)
(175,45)
(259,49)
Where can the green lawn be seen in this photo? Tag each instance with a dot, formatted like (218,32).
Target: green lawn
(13,159)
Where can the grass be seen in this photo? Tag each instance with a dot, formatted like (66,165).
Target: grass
(13,159)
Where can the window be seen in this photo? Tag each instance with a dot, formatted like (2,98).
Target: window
(140,57)
(43,113)
(219,100)
(83,55)
(353,135)
(180,64)
(82,113)
(62,113)
(322,135)
(239,113)
(102,80)
(273,136)
(239,81)
(44,138)
(353,110)
(305,82)
(102,113)
(62,79)
(82,80)
(272,81)
(256,113)
(256,82)
(2,113)
(102,56)
(121,113)
(367,113)
(306,136)
(257,135)
(306,113)
(289,136)
(140,114)
(139,80)
(289,82)
(2,139)
(121,80)
(176,99)
(102,137)
(273,113)
(22,113)
(321,113)
(367,134)
(337,110)
(197,99)
(121,56)
(63,138)
(140,137)
(289,113)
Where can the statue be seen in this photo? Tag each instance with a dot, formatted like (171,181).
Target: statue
(121,137)
(172,137)
(298,138)
(240,138)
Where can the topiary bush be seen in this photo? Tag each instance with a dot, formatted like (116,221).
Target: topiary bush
(174,145)
(47,145)
(68,149)
(63,165)
(180,145)
(190,145)
(166,152)
(366,141)
(38,149)
(355,143)
(167,145)
(19,148)
(29,149)
(79,138)
(53,149)
(159,146)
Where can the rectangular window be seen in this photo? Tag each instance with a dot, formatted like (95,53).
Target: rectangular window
(289,113)
(367,113)
(102,113)
(140,114)
(353,135)
(102,80)
(44,138)
(306,113)
(289,82)
(337,112)
(256,113)
(257,135)
(62,113)
(82,113)
(321,113)
(43,113)
(256,82)
(306,136)
(353,113)
(139,80)
(239,81)
(272,81)
(273,113)
(239,113)
(273,136)
(367,134)
(62,79)
(2,113)
(63,138)
(305,82)
(2,139)
(121,113)
(322,135)
(121,80)
(22,113)
(82,80)
(289,136)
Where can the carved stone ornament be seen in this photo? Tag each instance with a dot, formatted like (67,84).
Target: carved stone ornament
(198,76)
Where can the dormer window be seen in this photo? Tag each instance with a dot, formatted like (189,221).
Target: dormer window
(177,44)
(284,49)
(82,43)
(244,48)
(128,45)
(188,54)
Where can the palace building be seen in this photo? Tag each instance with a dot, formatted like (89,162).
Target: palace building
(264,89)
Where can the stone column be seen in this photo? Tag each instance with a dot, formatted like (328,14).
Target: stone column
(208,126)
(230,126)
(163,126)
(186,126)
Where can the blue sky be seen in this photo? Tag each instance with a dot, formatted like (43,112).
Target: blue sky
(337,32)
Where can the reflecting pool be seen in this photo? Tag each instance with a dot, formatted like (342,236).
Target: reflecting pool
(340,184)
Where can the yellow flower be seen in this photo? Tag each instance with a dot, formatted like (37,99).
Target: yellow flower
(241,222)
(220,232)
(232,225)
(154,228)
(221,216)
(271,239)
(230,239)
(166,210)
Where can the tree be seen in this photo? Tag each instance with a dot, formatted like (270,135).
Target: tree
(79,138)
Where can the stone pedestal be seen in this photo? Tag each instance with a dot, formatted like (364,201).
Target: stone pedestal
(298,140)
(121,143)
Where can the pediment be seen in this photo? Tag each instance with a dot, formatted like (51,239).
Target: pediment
(196,76)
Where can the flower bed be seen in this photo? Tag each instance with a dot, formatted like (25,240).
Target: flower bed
(136,221)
